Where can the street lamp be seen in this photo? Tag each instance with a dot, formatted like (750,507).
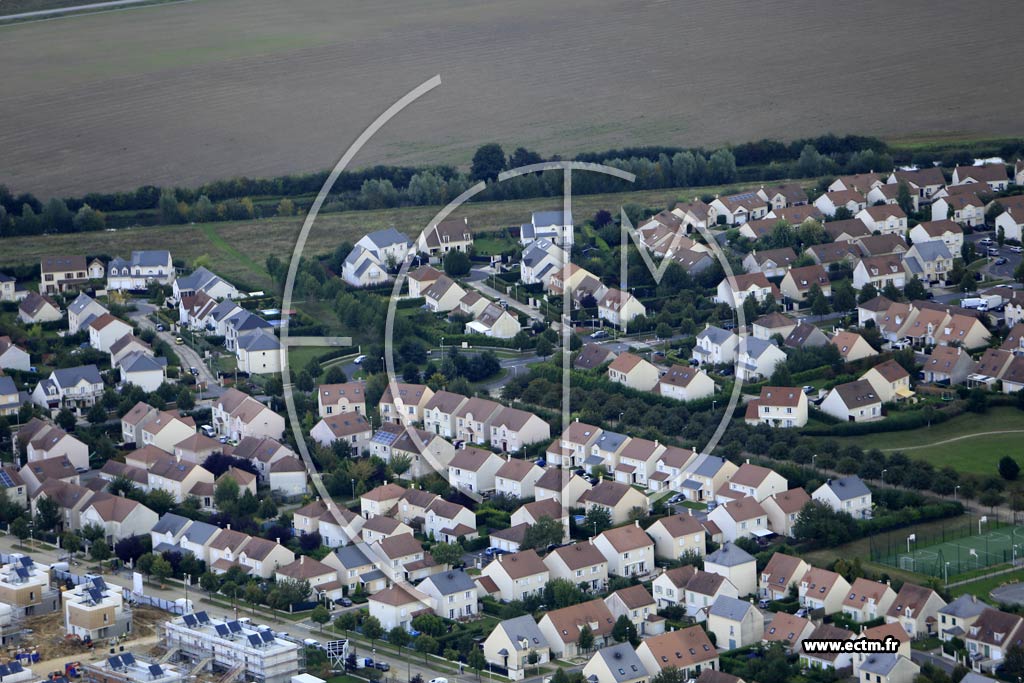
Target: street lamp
(713,404)
(188,577)
(946,571)
(442,349)
(620,415)
(955,489)
(353,489)
(883,474)
(813,458)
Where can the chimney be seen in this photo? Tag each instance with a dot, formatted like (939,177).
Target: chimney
(748,461)
(499,557)
(637,522)
(302,559)
(229,527)
(278,539)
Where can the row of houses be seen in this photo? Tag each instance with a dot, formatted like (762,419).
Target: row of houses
(59,274)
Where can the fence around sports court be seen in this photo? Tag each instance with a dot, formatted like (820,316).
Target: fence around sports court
(951,549)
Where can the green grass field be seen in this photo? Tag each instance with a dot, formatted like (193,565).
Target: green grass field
(965,443)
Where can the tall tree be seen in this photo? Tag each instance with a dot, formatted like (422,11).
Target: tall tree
(488,162)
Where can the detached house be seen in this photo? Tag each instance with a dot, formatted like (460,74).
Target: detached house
(689,650)
(848,494)
(994,175)
(830,202)
(930,261)
(516,478)
(890,380)
(617,499)
(735,564)
(886,219)
(853,402)
(735,290)
(403,403)
(798,282)
(788,629)
(820,589)
(443,295)
(511,429)
(852,346)
(581,563)
(685,383)
(754,481)
(740,518)
(770,262)
(677,536)
(778,407)
(334,399)
(555,226)
(628,549)
(735,623)
(619,308)
(38,308)
(474,469)
(144,268)
(518,575)
(450,235)
(737,209)
(83,310)
(784,508)
(494,321)
(76,388)
(62,273)
(923,183)
(512,641)
(879,271)
(453,594)
(633,371)
(944,230)
(990,637)
(238,415)
(759,359)
(867,600)
(916,610)
(561,627)
(780,576)
(716,346)
(947,365)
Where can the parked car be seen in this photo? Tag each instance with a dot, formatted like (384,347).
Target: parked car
(993,251)
(1000,261)
(360,358)
(194,371)
(382,666)
(600,334)
(344,602)
(1015,249)
(159,328)
(179,340)
(985,241)
(438,680)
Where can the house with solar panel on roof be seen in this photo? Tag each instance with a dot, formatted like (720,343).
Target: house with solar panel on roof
(25,588)
(234,647)
(94,610)
(127,668)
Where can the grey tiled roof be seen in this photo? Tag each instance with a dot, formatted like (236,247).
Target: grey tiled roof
(730,608)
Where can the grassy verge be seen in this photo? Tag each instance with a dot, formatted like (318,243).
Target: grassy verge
(983,587)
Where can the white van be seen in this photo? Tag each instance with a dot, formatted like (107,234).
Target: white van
(207,430)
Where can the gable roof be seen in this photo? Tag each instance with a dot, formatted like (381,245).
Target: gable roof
(569,621)
(729,555)
(848,488)
(521,564)
(579,555)
(681,649)
(626,538)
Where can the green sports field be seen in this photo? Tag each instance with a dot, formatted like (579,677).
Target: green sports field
(964,550)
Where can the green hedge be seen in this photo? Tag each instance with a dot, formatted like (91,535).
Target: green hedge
(894,422)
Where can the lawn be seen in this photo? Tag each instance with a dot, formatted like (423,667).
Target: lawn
(983,587)
(966,442)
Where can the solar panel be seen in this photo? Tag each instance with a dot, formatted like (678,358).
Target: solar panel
(203,617)
(4,671)
(114,662)
(96,595)
(5,478)
(267,636)
(234,626)
(155,671)
(15,667)
(222,630)
(128,658)
(21,572)
(190,620)
(99,583)
(254,639)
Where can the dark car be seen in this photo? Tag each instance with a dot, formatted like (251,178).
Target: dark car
(344,602)
(1000,261)
(382,666)
(600,334)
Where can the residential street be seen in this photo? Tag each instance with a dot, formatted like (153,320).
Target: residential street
(189,358)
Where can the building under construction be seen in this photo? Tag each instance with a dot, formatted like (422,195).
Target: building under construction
(234,649)
(127,668)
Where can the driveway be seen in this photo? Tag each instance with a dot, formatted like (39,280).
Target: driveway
(189,357)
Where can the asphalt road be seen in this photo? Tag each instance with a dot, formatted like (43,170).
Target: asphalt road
(1012,260)
(188,356)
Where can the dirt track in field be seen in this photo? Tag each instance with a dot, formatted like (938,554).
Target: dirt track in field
(178,94)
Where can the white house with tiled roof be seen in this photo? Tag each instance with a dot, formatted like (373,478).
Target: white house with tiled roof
(784,508)
(634,372)
(628,549)
(823,589)
(677,536)
(335,399)
(740,518)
